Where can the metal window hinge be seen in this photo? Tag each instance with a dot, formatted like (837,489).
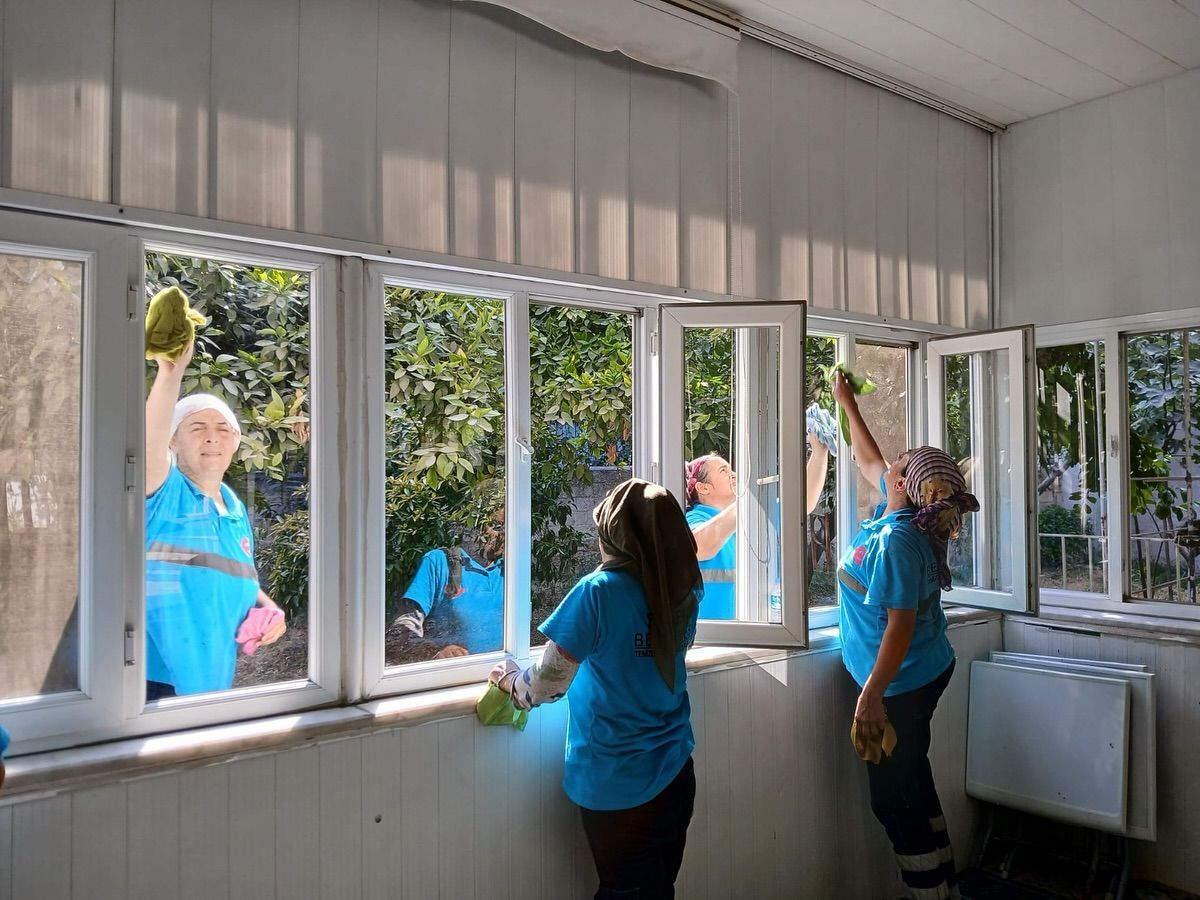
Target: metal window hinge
(130,472)
(654,343)
(132,302)
(129,646)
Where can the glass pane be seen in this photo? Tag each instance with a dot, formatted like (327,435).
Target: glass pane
(820,353)
(1163,373)
(732,422)
(444,495)
(886,409)
(581,381)
(1072,479)
(978,436)
(227,479)
(41,308)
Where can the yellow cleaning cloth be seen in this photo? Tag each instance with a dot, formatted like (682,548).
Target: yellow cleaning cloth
(496,708)
(170,324)
(874,748)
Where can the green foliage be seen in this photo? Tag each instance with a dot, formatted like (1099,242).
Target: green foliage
(1056,520)
(1072,371)
(710,389)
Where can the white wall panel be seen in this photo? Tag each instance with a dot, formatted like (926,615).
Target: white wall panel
(6,885)
(413,129)
(922,138)
(977,227)
(254,105)
(204,833)
(891,182)
(252,837)
(58,64)
(419,778)
(786,244)
(456,808)
(826,187)
(1182,96)
(152,840)
(951,255)
(655,130)
(340,804)
(482,123)
(382,806)
(545,152)
(1085,167)
(754,116)
(98,835)
(602,151)
(704,185)
(41,849)
(298,856)
(338,175)
(161,103)
(861,199)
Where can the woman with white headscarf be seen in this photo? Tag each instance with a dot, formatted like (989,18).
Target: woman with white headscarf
(202,589)
(894,643)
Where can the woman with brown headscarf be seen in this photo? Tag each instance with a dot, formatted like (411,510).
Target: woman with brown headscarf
(616,650)
(894,643)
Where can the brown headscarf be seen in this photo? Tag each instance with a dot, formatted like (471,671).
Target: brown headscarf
(641,525)
(936,487)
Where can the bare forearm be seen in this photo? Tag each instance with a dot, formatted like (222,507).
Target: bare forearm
(897,637)
(866,451)
(815,470)
(160,407)
(712,535)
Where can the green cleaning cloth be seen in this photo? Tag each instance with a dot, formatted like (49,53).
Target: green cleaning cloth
(496,708)
(860,384)
(170,324)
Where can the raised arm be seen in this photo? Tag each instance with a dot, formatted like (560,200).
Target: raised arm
(711,535)
(866,452)
(814,472)
(160,408)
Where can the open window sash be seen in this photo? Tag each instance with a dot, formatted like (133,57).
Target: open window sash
(981,412)
(742,364)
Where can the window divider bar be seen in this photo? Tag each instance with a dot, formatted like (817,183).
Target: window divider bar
(518,466)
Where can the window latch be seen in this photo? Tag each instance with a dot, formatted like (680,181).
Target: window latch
(130,473)
(132,295)
(525,447)
(129,646)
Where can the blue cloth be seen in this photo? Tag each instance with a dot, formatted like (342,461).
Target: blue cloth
(823,425)
(719,572)
(890,565)
(200,583)
(5,740)
(628,736)
(474,619)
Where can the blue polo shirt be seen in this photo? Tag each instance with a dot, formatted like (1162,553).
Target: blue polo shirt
(719,572)
(200,583)
(890,565)
(474,617)
(628,736)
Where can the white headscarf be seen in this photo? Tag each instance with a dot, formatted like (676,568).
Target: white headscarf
(193,403)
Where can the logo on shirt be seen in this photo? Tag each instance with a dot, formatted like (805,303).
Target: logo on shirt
(641,645)
(860,554)
(246,546)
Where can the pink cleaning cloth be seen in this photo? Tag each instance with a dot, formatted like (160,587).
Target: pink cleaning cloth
(257,624)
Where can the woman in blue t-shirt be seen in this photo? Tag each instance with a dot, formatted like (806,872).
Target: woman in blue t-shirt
(894,642)
(616,651)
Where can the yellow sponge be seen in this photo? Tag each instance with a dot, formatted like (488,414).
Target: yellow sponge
(170,324)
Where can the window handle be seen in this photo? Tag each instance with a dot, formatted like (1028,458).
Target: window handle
(525,447)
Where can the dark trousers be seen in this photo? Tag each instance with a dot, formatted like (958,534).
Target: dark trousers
(158,690)
(904,798)
(638,851)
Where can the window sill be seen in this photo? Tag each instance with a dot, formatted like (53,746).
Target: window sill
(44,774)
(1132,624)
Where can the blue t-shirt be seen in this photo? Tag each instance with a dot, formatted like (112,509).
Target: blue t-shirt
(200,583)
(890,565)
(720,572)
(474,618)
(4,741)
(628,736)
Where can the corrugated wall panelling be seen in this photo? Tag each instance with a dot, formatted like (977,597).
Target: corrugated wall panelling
(6,885)
(826,187)
(602,151)
(419,764)
(98,830)
(922,139)
(545,153)
(951,184)
(716,760)
(977,227)
(342,818)
(254,109)
(42,849)
(482,132)
(694,870)
(413,106)
(1174,857)
(1033,182)
(891,184)
(382,804)
(753,118)
(204,833)
(704,186)
(784,241)
(525,811)
(161,104)
(58,65)
(339,72)
(655,130)
(456,808)
(253,841)
(862,212)
(152,843)
(298,855)
(1182,96)
(492,797)
(1085,175)
(559,819)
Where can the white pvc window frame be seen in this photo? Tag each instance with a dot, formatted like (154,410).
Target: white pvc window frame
(1021,536)
(789,318)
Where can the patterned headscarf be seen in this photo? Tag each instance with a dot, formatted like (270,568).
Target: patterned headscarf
(642,527)
(936,487)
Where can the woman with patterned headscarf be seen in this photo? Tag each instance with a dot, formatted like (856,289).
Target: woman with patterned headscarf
(616,651)
(894,641)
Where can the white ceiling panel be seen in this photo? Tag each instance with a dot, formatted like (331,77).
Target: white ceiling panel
(1006,60)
